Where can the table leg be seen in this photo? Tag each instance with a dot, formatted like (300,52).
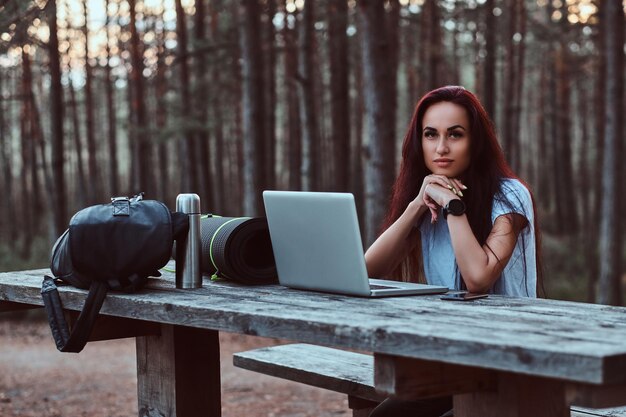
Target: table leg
(517,396)
(8,306)
(178,373)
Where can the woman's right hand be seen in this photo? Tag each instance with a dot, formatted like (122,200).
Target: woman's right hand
(451,184)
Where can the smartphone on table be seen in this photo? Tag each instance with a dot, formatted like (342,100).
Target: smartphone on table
(463,296)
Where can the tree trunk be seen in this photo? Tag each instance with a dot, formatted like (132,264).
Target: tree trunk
(357,176)
(253,113)
(519,85)
(564,172)
(163,150)
(612,15)
(308,114)
(8,202)
(270,95)
(37,140)
(202,110)
(543,183)
(489,72)
(293,129)
(410,40)
(339,92)
(80,198)
(432,47)
(478,68)
(514,79)
(218,122)
(189,154)
(94,193)
(599,92)
(393,40)
(59,205)
(27,147)
(584,153)
(142,180)
(114,183)
(378,91)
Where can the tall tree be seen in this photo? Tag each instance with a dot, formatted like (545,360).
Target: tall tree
(142,179)
(189,175)
(599,91)
(393,39)
(253,114)
(612,15)
(81,191)
(294,137)
(27,179)
(59,204)
(217,115)
(160,91)
(431,47)
(94,192)
(562,158)
(114,183)
(339,91)
(308,114)
(513,80)
(202,108)
(358,103)
(269,40)
(543,185)
(489,72)
(379,122)
(8,206)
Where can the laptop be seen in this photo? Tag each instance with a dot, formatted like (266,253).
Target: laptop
(317,246)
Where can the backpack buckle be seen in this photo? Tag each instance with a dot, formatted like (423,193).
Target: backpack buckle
(121,206)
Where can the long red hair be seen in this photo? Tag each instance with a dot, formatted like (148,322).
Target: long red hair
(487,168)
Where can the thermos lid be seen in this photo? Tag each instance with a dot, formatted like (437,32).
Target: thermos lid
(188,203)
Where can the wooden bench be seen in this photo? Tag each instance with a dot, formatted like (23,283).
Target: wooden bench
(341,371)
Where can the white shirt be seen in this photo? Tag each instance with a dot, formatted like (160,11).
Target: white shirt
(519,277)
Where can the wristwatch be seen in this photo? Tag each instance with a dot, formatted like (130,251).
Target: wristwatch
(455,207)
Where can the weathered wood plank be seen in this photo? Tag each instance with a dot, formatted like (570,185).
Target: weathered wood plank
(409,378)
(361,407)
(572,341)
(178,373)
(516,396)
(344,372)
(592,396)
(333,369)
(605,412)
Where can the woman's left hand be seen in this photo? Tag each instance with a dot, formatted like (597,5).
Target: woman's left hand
(435,193)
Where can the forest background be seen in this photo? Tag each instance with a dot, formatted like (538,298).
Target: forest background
(100,98)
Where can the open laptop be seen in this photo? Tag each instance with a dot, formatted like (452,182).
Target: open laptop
(317,246)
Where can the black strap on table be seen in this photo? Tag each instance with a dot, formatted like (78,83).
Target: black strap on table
(76,341)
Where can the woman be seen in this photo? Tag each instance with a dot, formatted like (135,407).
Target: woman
(459,216)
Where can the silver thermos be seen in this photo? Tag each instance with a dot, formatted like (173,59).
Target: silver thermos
(188,274)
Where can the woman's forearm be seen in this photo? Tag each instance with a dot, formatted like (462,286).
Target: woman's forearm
(392,246)
(472,260)
(480,265)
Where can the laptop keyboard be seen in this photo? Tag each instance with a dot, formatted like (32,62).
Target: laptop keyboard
(380,287)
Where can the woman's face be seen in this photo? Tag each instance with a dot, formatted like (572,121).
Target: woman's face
(446,139)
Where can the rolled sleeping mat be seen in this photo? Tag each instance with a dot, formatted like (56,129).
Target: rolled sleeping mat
(238,248)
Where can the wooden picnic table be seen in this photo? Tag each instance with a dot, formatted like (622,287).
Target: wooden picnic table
(499,356)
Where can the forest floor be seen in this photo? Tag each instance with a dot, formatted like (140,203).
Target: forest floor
(101,381)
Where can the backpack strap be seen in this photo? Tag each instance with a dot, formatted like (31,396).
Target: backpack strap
(74,342)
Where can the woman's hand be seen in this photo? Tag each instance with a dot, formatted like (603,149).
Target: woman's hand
(437,191)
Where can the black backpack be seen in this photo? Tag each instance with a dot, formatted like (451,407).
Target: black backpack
(114,246)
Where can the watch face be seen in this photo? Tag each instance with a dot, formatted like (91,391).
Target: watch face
(456,207)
